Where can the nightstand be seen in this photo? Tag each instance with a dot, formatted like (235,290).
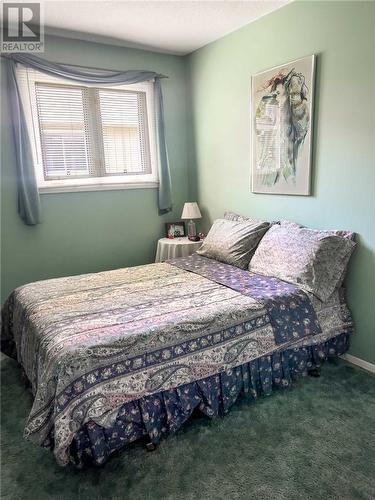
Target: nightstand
(176,247)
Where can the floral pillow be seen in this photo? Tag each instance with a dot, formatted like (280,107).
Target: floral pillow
(312,259)
(240,218)
(338,232)
(233,242)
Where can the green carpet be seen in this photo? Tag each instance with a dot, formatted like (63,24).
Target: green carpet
(313,442)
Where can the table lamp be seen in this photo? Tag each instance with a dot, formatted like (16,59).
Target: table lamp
(191,211)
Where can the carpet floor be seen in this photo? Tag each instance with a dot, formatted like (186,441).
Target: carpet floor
(316,441)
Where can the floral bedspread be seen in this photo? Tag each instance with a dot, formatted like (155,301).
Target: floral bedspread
(290,310)
(91,343)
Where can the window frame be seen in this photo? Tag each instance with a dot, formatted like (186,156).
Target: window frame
(26,80)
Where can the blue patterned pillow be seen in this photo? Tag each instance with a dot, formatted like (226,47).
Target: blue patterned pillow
(233,242)
(314,260)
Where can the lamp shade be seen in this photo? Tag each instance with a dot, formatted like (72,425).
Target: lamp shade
(191,211)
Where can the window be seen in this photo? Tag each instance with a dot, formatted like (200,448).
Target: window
(86,137)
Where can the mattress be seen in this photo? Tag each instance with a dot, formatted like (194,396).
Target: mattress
(93,343)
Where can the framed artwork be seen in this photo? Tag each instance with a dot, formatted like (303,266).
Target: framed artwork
(281,125)
(175,229)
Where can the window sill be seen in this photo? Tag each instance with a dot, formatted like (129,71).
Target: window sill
(97,187)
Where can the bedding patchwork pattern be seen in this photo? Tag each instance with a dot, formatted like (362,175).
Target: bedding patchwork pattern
(91,344)
(165,412)
(290,310)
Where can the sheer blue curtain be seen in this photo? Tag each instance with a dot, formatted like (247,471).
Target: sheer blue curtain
(28,196)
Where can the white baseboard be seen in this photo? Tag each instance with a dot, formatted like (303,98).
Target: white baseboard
(359,362)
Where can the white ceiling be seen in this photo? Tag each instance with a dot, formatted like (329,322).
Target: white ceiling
(174,26)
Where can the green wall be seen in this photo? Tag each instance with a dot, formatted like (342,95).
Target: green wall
(342,35)
(93,231)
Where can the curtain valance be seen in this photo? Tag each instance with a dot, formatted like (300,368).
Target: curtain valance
(28,195)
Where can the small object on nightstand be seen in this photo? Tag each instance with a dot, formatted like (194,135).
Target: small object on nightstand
(194,238)
(175,229)
(191,211)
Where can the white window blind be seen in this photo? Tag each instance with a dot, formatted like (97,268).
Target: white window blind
(123,120)
(85,137)
(64,136)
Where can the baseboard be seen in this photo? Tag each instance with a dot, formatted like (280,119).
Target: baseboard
(359,362)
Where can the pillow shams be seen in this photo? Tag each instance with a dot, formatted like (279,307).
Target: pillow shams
(233,242)
(314,260)
(338,232)
(241,218)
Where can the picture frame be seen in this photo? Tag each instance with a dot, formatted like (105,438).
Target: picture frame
(282,108)
(175,229)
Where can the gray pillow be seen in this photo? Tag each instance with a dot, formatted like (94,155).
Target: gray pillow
(241,218)
(233,242)
(324,232)
(314,260)
(338,232)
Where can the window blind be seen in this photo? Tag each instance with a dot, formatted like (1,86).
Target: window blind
(64,134)
(123,119)
(118,143)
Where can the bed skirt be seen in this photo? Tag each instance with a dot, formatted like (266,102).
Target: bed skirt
(155,416)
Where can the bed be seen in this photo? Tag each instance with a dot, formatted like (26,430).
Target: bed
(117,356)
